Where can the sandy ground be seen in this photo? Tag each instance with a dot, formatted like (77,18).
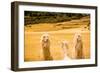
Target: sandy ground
(33,50)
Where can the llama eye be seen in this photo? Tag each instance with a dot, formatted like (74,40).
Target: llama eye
(44,37)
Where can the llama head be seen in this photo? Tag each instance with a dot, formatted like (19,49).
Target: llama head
(64,44)
(77,37)
(45,37)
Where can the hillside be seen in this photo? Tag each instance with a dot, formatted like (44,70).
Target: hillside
(83,22)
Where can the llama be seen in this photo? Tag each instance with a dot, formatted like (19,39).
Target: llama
(78,46)
(45,43)
(64,46)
